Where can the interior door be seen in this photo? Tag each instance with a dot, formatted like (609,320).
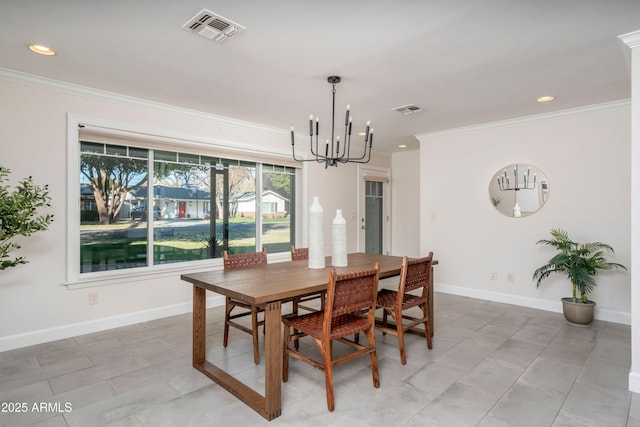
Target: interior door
(374,216)
(373,211)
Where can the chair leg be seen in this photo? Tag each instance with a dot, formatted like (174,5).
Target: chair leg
(254,333)
(285,354)
(400,333)
(328,374)
(427,325)
(356,336)
(227,311)
(374,358)
(384,320)
(294,311)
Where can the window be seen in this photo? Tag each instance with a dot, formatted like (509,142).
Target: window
(278,189)
(108,176)
(146,206)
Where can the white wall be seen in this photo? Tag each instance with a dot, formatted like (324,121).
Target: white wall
(405,204)
(633,41)
(35,305)
(453,214)
(584,154)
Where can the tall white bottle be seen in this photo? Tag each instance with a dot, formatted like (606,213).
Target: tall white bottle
(339,252)
(316,235)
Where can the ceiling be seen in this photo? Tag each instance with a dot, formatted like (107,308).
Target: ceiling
(464,62)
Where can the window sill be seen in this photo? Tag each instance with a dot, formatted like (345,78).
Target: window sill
(117,277)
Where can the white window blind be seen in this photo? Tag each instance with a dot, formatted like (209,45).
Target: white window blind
(93,133)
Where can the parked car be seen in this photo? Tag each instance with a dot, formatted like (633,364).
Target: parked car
(139,213)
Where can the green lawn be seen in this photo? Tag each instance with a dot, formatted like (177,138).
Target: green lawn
(123,245)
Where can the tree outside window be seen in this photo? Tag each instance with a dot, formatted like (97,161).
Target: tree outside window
(125,225)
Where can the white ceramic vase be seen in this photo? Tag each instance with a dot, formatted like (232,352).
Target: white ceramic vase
(339,252)
(316,236)
(516,211)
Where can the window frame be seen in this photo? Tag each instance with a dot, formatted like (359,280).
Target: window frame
(155,139)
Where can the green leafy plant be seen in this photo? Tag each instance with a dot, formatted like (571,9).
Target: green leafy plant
(19,215)
(580,262)
(211,246)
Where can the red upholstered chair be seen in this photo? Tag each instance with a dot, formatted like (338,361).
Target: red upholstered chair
(414,276)
(243,309)
(348,295)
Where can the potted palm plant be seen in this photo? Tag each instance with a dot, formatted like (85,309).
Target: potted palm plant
(580,262)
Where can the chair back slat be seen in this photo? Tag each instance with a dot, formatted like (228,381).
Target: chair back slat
(299,253)
(244,260)
(418,271)
(351,292)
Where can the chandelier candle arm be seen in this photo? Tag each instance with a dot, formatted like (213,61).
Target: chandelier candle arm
(317,132)
(504,184)
(332,157)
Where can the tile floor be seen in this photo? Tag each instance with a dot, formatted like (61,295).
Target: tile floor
(491,365)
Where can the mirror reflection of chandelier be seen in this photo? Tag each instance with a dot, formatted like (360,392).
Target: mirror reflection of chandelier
(505,184)
(332,151)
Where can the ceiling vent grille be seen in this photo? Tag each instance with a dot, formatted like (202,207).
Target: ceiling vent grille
(408,109)
(213,26)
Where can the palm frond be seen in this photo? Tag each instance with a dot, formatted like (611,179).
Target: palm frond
(580,262)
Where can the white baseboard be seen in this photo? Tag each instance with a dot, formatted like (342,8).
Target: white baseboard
(634,382)
(67,331)
(554,306)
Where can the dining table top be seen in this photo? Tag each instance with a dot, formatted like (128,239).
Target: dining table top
(281,281)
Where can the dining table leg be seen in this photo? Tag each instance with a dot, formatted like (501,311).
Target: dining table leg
(273,360)
(268,405)
(199,332)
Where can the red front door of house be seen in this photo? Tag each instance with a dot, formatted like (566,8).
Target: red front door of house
(182,209)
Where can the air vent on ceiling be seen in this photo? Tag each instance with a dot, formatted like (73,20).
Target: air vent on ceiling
(408,109)
(213,26)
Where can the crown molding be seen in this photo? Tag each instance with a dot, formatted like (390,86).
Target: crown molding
(631,39)
(614,105)
(102,95)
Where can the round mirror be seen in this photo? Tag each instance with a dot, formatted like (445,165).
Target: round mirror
(518,190)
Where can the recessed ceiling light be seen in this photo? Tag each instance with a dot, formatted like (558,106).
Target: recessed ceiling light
(42,50)
(402,146)
(546,98)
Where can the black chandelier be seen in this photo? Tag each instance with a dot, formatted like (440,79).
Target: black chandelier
(332,154)
(506,185)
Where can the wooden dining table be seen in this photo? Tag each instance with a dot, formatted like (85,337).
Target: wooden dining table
(268,286)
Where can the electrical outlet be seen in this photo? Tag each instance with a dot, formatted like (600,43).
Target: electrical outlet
(493,276)
(510,277)
(93,298)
